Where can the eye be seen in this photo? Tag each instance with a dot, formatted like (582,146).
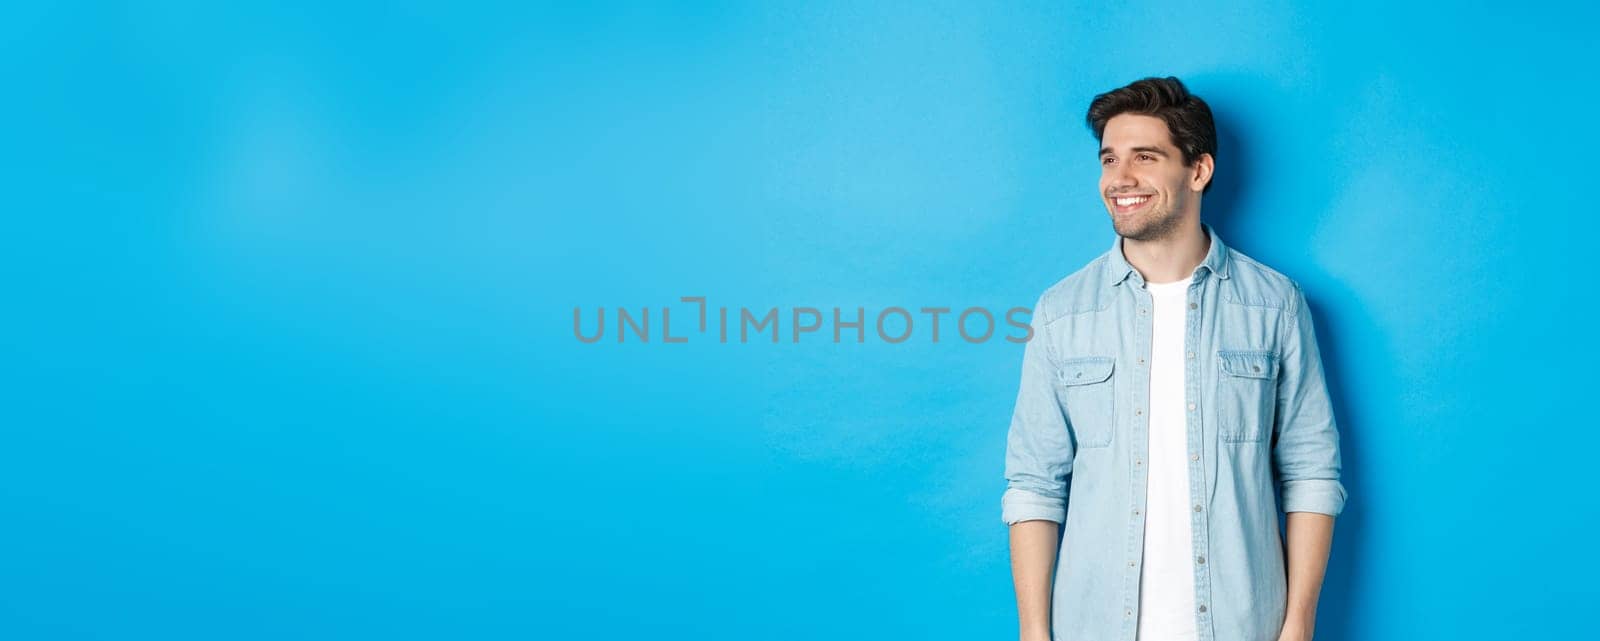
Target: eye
(1107,160)
(1146,157)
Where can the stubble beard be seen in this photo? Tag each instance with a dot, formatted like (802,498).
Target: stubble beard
(1157,225)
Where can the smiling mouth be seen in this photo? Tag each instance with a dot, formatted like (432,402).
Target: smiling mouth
(1129,203)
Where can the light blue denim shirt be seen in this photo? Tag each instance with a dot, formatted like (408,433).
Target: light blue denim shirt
(1261,436)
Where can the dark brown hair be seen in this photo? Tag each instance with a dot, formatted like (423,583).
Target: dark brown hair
(1188,117)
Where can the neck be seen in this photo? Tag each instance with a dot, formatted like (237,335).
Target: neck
(1169,259)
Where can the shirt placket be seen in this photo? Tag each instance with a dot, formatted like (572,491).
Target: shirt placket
(1138,452)
(1199,532)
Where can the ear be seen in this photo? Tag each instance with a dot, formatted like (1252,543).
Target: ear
(1200,172)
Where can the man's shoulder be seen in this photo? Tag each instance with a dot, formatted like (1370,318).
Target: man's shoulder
(1253,283)
(1076,293)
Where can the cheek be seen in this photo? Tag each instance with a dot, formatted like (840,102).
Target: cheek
(1176,182)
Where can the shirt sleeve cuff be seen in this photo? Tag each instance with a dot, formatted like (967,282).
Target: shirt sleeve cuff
(1323,496)
(1018,505)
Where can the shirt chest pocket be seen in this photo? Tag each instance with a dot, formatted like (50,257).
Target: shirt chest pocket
(1089,400)
(1247,390)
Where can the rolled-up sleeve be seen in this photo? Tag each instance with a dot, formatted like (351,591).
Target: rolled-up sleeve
(1306,455)
(1038,448)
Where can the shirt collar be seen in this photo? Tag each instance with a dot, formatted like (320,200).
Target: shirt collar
(1216,261)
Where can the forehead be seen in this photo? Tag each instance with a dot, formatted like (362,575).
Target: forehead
(1126,131)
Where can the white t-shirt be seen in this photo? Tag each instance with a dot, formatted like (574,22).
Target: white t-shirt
(1166,594)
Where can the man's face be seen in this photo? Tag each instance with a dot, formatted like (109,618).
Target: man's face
(1143,181)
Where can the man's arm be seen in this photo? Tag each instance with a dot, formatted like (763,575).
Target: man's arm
(1033,557)
(1038,459)
(1309,539)
(1307,460)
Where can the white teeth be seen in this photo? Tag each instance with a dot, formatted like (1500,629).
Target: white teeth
(1124,202)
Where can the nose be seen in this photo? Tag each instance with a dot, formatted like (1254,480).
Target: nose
(1121,178)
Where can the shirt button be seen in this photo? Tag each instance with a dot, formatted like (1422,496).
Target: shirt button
(1194,457)
(1136,513)
(1197,508)
(1132,563)
(1201,560)
(1191,407)
(1191,354)
(1139,462)
(1141,359)
(1194,306)
(1202,609)
(1127,613)
(1138,411)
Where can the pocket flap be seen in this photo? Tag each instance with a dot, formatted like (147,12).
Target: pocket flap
(1249,364)
(1082,371)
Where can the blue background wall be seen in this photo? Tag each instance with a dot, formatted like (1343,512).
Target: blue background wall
(288,338)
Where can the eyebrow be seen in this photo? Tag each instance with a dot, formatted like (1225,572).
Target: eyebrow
(1153,150)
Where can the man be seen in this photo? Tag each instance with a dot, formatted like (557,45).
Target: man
(1172,400)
